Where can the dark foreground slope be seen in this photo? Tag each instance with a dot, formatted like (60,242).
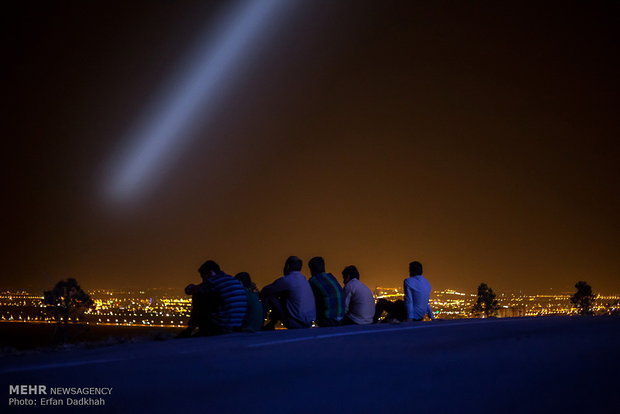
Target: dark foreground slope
(504,365)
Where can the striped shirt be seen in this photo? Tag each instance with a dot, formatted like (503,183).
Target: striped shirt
(329,297)
(233,303)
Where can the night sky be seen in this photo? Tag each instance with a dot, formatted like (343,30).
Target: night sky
(480,139)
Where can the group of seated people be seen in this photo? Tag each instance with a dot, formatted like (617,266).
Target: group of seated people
(224,304)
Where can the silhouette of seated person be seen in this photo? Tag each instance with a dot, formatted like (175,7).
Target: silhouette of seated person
(416,304)
(359,303)
(289,299)
(219,303)
(417,294)
(328,294)
(254,317)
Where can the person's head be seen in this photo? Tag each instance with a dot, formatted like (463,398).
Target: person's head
(208,269)
(415,268)
(246,280)
(350,272)
(190,289)
(292,264)
(316,265)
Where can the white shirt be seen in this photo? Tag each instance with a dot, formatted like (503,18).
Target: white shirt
(298,293)
(417,294)
(359,304)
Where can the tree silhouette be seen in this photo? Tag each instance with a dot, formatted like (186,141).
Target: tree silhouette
(67,300)
(583,299)
(486,302)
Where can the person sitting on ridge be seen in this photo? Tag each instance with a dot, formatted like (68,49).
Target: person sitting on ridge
(219,303)
(289,298)
(253,320)
(359,303)
(415,306)
(328,294)
(417,294)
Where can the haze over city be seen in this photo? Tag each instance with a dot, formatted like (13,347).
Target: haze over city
(481,140)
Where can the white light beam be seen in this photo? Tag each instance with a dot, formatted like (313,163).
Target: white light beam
(193,92)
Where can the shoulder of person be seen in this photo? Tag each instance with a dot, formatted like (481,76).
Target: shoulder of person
(206,286)
(285,279)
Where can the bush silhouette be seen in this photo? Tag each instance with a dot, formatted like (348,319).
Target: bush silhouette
(67,300)
(583,299)
(486,302)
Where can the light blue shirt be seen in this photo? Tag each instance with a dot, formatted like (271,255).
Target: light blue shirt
(297,294)
(359,303)
(417,295)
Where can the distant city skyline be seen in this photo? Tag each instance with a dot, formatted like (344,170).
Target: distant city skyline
(165,308)
(180,288)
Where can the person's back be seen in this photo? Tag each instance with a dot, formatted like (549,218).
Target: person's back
(253,319)
(417,293)
(233,301)
(328,294)
(359,301)
(299,300)
(289,298)
(219,303)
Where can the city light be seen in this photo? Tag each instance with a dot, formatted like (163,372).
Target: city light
(164,308)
